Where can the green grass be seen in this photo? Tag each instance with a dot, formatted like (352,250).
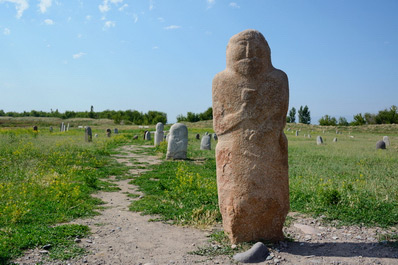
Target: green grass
(348,181)
(45,179)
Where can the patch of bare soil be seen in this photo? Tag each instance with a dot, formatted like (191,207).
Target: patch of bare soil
(123,237)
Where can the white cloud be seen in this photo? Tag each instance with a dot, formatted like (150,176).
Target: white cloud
(109,24)
(6,31)
(155,47)
(151,5)
(160,19)
(123,7)
(172,27)
(48,21)
(234,5)
(78,55)
(210,3)
(88,17)
(44,5)
(135,17)
(105,7)
(20,6)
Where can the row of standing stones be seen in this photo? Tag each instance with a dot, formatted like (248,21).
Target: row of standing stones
(382,144)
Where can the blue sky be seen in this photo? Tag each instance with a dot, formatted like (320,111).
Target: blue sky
(341,57)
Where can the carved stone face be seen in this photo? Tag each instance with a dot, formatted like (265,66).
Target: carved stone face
(248,53)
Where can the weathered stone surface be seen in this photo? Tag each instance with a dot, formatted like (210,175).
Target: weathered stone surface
(205,144)
(197,136)
(88,134)
(35,128)
(386,139)
(319,140)
(178,142)
(108,132)
(250,103)
(159,134)
(116,130)
(297,133)
(380,145)
(257,253)
(148,136)
(335,139)
(215,137)
(135,137)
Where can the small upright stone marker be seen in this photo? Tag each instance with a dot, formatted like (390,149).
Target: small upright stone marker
(159,133)
(35,128)
(297,133)
(51,129)
(178,142)
(386,139)
(380,145)
(205,144)
(148,136)
(197,136)
(250,102)
(309,136)
(319,140)
(116,130)
(108,132)
(215,137)
(88,134)
(335,139)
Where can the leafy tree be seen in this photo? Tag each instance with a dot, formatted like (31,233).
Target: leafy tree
(304,115)
(207,115)
(370,118)
(358,120)
(181,118)
(387,116)
(92,113)
(328,121)
(292,116)
(343,121)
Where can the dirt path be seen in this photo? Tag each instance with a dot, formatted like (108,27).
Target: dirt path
(120,236)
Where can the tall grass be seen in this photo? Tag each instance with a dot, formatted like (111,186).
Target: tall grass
(47,179)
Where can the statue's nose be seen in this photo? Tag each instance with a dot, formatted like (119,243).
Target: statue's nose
(249,50)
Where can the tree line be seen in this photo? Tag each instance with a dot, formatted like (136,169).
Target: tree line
(125,116)
(194,117)
(386,116)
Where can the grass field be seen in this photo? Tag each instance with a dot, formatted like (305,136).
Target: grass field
(47,178)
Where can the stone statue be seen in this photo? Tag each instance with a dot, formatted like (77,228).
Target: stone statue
(250,103)
(178,142)
(159,133)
